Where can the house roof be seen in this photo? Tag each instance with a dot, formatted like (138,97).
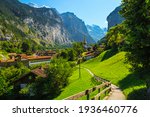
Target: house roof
(39,72)
(22,55)
(90,53)
(38,57)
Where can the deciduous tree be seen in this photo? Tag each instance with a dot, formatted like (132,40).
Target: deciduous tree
(137,20)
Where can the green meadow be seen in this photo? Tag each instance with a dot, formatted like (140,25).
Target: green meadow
(77,84)
(110,67)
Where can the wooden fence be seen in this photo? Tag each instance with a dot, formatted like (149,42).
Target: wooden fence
(105,86)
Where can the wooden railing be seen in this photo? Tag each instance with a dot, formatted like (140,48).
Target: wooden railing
(99,79)
(105,86)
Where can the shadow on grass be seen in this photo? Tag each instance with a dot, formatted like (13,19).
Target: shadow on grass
(131,81)
(109,54)
(140,94)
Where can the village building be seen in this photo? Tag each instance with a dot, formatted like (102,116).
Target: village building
(37,58)
(29,78)
(88,55)
(46,53)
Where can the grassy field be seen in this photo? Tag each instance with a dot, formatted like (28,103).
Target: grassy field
(113,69)
(77,84)
(110,67)
(117,71)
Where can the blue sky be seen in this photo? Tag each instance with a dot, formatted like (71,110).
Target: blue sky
(90,11)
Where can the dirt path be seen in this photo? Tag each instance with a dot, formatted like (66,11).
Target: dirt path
(89,71)
(115,94)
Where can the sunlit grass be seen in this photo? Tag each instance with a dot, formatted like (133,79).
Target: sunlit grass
(77,84)
(114,69)
(117,71)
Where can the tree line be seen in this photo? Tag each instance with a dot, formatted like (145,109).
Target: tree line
(133,36)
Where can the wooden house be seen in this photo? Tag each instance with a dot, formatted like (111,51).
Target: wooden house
(29,78)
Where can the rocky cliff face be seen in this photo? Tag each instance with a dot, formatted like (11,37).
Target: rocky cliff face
(76,28)
(96,32)
(22,21)
(114,18)
(49,27)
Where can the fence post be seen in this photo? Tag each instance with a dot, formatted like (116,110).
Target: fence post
(87,95)
(110,88)
(105,88)
(99,90)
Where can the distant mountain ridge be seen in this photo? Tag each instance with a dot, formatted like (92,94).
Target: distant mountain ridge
(96,32)
(47,26)
(19,20)
(114,17)
(76,28)
(43,25)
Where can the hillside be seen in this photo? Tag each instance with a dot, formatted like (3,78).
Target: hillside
(113,69)
(41,25)
(76,84)
(117,71)
(20,21)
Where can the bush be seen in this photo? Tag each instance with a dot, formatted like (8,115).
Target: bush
(57,72)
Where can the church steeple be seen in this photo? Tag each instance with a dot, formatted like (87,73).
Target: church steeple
(84,43)
(84,40)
